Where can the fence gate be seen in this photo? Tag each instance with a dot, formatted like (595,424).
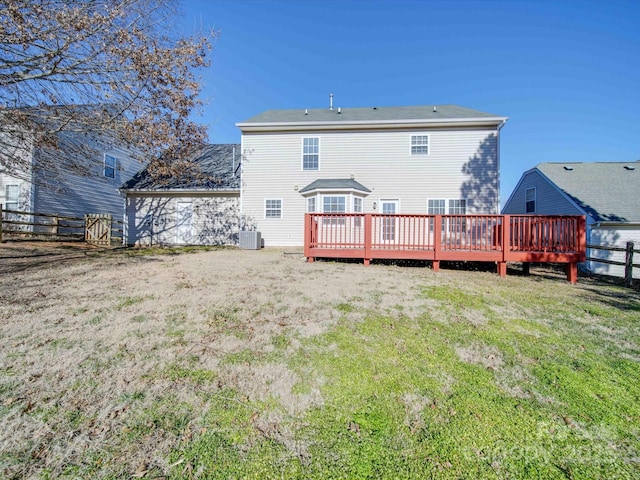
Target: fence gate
(97,229)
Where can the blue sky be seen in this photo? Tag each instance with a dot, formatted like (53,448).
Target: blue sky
(566,73)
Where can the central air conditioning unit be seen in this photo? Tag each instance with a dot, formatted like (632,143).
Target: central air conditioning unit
(250,240)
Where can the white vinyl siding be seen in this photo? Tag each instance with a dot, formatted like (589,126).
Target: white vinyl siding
(311,153)
(420,144)
(530,200)
(153,220)
(273,208)
(462,164)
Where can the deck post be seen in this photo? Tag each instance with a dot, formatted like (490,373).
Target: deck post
(502,269)
(437,242)
(526,268)
(307,237)
(572,273)
(368,235)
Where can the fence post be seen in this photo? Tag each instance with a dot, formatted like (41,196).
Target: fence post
(628,265)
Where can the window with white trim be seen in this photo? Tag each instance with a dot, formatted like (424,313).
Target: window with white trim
(11,197)
(357,208)
(310,153)
(110,163)
(419,144)
(311,204)
(530,200)
(457,207)
(273,208)
(436,206)
(334,204)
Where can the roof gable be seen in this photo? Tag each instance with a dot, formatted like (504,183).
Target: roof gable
(607,191)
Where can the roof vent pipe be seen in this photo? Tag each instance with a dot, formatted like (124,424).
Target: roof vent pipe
(306,111)
(331,101)
(435,109)
(339,110)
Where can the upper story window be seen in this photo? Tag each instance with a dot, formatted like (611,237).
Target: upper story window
(273,208)
(530,200)
(11,196)
(419,144)
(310,153)
(110,163)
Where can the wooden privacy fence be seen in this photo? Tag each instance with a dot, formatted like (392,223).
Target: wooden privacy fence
(480,238)
(628,264)
(99,229)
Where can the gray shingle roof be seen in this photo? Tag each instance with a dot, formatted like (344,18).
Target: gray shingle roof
(217,165)
(335,184)
(380,114)
(607,191)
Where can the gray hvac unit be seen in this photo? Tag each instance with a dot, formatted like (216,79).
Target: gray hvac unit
(250,240)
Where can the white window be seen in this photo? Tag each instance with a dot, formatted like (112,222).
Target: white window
(273,208)
(310,153)
(436,207)
(334,204)
(11,197)
(357,208)
(419,144)
(110,166)
(311,204)
(357,205)
(530,200)
(457,207)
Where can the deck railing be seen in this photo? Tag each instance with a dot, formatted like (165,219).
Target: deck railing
(483,238)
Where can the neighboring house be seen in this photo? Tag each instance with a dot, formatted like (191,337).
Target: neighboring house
(201,208)
(426,159)
(80,175)
(607,193)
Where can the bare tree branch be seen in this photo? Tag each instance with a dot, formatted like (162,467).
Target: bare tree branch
(72,66)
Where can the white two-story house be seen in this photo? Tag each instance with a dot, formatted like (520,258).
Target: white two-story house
(426,159)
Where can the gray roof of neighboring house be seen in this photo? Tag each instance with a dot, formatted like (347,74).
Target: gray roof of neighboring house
(368,114)
(335,184)
(219,170)
(607,191)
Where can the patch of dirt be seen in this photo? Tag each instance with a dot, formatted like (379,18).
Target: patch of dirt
(91,341)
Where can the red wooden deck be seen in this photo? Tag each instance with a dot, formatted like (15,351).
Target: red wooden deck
(477,238)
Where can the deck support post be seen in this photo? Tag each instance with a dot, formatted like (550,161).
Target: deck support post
(436,265)
(502,269)
(310,259)
(526,268)
(572,273)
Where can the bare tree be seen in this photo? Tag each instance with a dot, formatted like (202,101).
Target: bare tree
(73,68)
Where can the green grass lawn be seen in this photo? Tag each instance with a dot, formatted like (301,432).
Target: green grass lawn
(231,365)
(504,384)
